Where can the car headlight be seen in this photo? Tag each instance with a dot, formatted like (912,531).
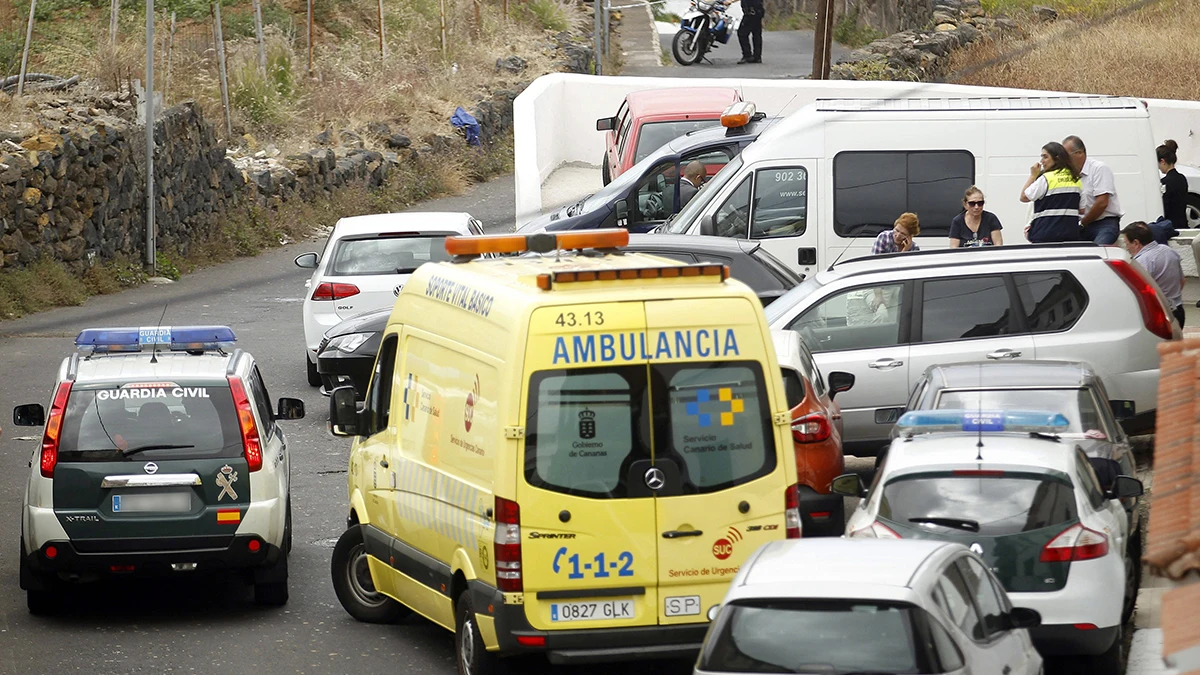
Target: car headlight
(349,342)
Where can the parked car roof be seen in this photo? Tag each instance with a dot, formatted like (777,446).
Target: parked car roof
(409,221)
(682,100)
(829,562)
(1010,374)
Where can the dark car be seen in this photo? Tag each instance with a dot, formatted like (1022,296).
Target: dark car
(643,197)
(347,353)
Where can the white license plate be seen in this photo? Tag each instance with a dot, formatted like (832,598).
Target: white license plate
(592,610)
(682,605)
(171,502)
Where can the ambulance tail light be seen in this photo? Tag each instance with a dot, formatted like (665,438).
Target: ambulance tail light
(54,429)
(541,242)
(327,290)
(812,428)
(1074,544)
(791,512)
(1154,313)
(251,445)
(508,546)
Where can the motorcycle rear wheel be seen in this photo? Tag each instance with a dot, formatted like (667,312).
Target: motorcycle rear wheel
(687,47)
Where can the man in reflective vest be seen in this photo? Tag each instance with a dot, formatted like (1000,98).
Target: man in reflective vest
(1055,190)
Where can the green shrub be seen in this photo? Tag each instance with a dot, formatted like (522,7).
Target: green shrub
(549,14)
(260,97)
(848,31)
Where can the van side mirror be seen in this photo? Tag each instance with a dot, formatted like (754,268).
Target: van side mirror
(1123,410)
(344,416)
(621,211)
(848,485)
(29,415)
(290,409)
(839,382)
(1023,617)
(606,124)
(307,260)
(1127,487)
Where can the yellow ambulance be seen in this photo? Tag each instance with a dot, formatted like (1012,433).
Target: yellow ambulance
(568,451)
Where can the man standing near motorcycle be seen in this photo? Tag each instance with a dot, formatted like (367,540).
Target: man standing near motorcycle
(750,30)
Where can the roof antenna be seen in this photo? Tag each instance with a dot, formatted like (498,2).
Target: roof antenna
(979,423)
(154,354)
(852,238)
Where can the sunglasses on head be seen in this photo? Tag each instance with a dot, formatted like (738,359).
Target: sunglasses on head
(974,203)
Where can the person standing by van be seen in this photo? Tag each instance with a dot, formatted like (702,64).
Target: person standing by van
(899,239)
(749,31)
(1055,190)
(1100,211)
(1162,263)
(974,226)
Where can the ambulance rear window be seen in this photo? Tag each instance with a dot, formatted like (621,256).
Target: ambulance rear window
(154,422)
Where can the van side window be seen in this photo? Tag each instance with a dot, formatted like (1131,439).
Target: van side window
(780,202)
(870,189)
(733,218)
(962,308)
(379,392)
(860,318)
(1053,301)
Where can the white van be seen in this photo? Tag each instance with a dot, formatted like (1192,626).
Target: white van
(854,165)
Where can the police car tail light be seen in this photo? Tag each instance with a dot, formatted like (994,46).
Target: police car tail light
(251,445)
(738,114)
(508,546)
(791,511)
(1074,544)
(1154,314)
(811,428)
(54,430)
(875,530)
(541,242)
(327,290)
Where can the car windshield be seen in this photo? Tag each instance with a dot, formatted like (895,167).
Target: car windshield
(682,221)
(806,636)
(386,255)
(171,421)
(1076,404)
(785,303)
(654,135)
(998,504)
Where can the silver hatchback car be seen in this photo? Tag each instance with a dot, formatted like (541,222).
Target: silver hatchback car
(886,318)
(836,606)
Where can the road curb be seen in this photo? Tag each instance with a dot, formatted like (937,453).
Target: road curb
(1145,654)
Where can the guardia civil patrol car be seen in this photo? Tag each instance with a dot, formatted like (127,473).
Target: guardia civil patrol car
(567,452)
(1029,504)
(161,454)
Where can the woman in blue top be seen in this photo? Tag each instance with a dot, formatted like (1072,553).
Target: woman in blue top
(974,226)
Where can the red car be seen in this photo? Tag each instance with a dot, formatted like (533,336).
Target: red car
(647,120)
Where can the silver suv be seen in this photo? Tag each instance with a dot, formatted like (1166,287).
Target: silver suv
(887,318)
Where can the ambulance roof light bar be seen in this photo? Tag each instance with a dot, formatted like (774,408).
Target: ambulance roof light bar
(177,338)
(547,281)
(541,242)
(976,421)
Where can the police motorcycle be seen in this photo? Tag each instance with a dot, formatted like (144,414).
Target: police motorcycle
(705,25)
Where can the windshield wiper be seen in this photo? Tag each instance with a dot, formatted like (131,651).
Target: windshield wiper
(161,446)
(956,523)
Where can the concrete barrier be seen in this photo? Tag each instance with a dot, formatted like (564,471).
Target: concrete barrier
(555,117)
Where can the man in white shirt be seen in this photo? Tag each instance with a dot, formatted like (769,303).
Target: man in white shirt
(1100,211)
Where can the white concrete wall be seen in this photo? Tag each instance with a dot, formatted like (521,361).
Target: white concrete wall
(555,117)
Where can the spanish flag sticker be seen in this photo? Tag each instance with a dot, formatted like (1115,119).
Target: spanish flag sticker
(229,516)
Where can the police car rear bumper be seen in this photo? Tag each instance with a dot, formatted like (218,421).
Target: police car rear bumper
(1066,639)
(151,556)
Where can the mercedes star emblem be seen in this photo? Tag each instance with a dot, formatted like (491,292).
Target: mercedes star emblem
(655,479)
(976,549)
(151,468)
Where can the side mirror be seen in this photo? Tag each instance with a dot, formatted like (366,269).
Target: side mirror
(290,409)
(839,382)
(1123,410)
(621,210)
(848,485)
(344,418)
(1023,617)
(29,415)
(1127,487)
(307,261)
(606,124)
(714,612)
(708,225)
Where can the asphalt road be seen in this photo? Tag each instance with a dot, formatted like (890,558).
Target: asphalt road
(786,54)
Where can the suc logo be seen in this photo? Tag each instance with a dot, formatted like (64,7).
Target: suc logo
(723,547)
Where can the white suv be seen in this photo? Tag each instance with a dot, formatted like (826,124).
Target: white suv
(885,319)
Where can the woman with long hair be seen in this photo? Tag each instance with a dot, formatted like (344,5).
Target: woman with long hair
(1055,190)
(974,226)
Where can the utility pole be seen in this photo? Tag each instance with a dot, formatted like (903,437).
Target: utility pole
(382,42)
(113,12)
(310,38)
(151,244)
(258,37)
(596,38)
(822,40)
(220,35)
(25,53)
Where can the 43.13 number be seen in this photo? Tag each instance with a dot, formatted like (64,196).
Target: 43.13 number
(571,319)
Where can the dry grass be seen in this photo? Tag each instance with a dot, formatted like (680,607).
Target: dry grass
(1066,8)
(1145,53)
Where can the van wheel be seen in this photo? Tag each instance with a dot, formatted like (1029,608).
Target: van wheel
(472,656)
(1111,661)
(353,584)
(314,378)
(605,172)
(1133,577)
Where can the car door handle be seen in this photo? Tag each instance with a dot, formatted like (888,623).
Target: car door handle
(885,364)
(675,534)
(1004,354)
(383,463)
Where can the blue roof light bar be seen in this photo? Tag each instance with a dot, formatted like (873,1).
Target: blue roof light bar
(985,421)
(176,338)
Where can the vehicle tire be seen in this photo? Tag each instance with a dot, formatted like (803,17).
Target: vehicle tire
(314,378)
(1193,211)
(1111,661)
(42,601)
(1133,577)
(353,584)
(274,594)
(685,47)
(605,172)
(287,528)
(470,654)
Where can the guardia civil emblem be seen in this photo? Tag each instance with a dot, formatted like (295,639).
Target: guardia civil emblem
(226,477)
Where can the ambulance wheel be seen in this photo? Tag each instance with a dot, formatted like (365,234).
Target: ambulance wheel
(314,378)
(472,656)
(353,584)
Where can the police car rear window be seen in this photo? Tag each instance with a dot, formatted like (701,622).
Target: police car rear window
(999,505)
(149,421)
(386,255)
